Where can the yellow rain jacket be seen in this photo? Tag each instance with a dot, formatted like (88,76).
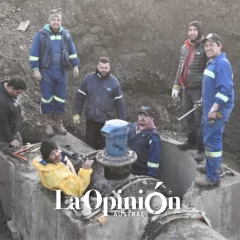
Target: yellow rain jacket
(59,177)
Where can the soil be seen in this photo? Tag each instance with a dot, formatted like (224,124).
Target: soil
(142,39)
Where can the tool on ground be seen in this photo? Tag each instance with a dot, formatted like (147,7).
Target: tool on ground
(27,148)
(69,153)
(227,171)
(18,156)
(186,114)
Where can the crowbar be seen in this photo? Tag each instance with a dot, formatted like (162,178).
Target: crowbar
(186,114)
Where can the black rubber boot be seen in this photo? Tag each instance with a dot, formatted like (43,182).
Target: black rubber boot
(190,143)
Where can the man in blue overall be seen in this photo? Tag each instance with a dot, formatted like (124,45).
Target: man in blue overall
(144,139)
(51,55)
(218,103)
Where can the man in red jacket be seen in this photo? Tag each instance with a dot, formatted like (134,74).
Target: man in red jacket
(192,63)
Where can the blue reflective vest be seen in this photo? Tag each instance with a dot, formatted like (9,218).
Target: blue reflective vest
(40,53)
(146,145)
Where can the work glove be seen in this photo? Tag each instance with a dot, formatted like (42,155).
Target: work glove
(198,103)
(76,119)
(175,93)
(37,75)
(15,143)
(75,71)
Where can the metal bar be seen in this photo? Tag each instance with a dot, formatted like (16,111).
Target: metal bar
(20,157)
(186,114)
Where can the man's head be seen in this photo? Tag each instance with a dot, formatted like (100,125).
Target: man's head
(213,45)
(144,117)
(195,31)
(50,152)
(55,19)
(15,86)
(103,67)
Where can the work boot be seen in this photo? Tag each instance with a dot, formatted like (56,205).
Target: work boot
(48,124)
(201,168)
(190,143)
(58,124)
(202,181)
(200,155)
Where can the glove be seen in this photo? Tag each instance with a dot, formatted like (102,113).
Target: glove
(15,143)
(76,119)
(37,75)
(175,93)
(197,104)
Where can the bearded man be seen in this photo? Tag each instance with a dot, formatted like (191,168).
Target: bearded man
(192,63)
(104,100)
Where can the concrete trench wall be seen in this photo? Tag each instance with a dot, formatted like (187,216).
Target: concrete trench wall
(221,205)
(32,208)
(177,168)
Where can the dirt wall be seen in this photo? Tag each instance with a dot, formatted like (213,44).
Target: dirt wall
(143,40)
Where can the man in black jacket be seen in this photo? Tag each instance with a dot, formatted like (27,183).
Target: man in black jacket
(104,98)
(189,77)
(10,111)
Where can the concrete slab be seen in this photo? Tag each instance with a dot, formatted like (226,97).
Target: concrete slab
(221,205)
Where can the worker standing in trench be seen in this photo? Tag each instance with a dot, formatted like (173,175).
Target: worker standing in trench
(144,140)
(218,103)
(51,55)
(104,97)
(189,78)
(10,112)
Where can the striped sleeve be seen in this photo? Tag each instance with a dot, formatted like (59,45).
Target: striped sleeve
(224,83)
(154,155)
(80,97)
(34,52)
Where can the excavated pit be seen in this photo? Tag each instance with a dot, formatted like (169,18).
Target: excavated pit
(32,208)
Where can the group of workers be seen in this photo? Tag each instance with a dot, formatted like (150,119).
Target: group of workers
(204,75)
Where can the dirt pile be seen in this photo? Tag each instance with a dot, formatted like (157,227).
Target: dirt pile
(143,40)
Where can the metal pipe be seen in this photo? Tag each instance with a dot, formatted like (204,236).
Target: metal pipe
(186,114)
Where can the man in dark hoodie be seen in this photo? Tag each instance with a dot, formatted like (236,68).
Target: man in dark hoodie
(144,139)
(192,63)
(10,112)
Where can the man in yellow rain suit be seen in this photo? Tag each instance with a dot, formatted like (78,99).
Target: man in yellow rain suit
(56,172)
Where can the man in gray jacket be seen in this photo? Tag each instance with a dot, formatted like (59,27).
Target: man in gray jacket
(189,78)
(104,97)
